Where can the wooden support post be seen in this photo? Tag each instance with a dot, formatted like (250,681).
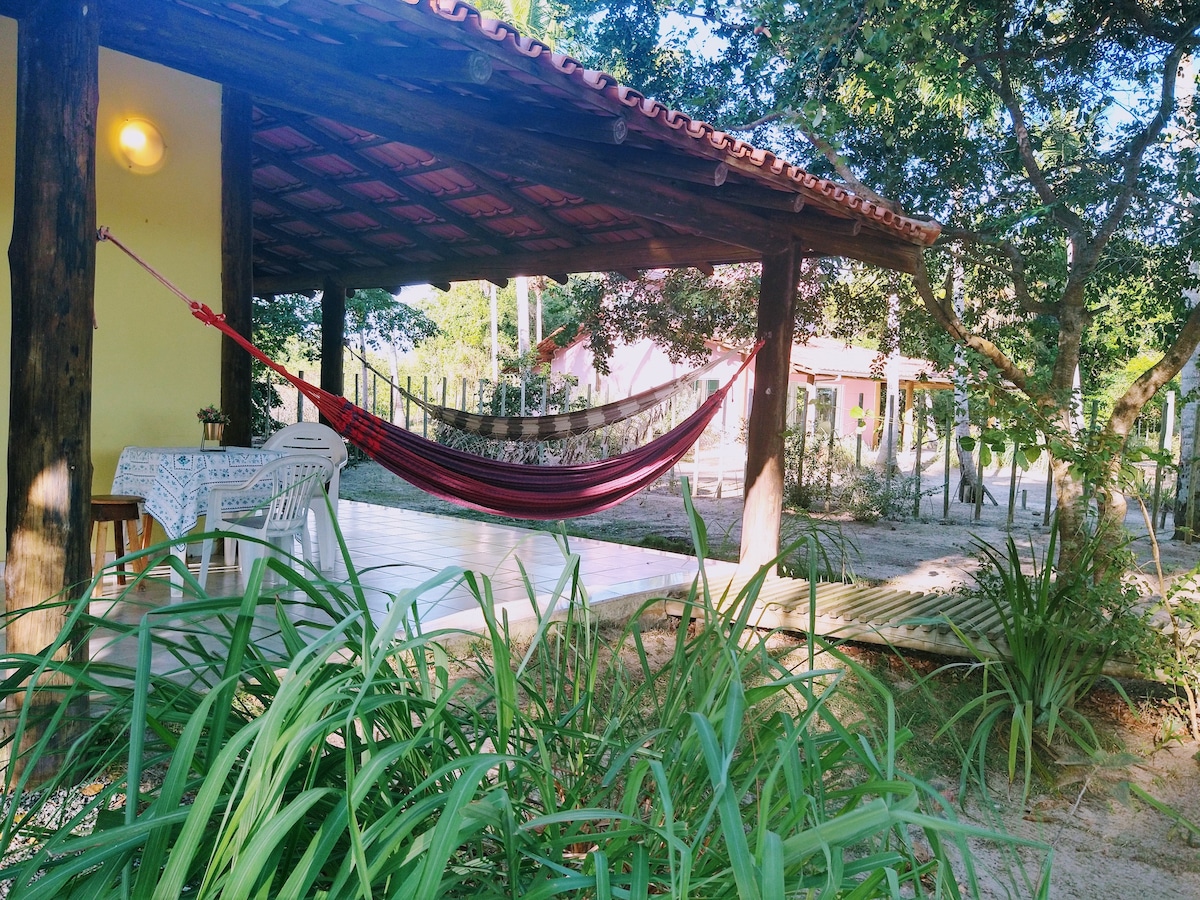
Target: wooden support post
(979,486)
(237,261)
(333,338)
(52,267)
(763,509)
(919,432)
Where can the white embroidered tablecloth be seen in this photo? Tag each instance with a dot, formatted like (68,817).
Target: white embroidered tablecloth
(176,480)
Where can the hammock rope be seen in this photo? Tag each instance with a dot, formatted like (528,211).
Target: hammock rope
(555,426)
(508,489)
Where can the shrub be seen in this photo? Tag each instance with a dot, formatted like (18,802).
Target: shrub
(812,476)
(869,496)
(304,750)
(1060,628)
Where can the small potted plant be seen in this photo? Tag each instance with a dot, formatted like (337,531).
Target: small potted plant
(213,422)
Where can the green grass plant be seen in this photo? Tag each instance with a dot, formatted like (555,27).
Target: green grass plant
(288,742)
(1060,628)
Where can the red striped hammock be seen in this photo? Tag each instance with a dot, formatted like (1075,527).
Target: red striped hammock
(507,489)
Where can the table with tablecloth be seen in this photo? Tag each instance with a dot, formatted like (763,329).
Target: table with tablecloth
(176,481)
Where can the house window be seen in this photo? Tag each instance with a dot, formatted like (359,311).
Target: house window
(707,387)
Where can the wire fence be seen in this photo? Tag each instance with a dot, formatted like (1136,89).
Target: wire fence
(924,467)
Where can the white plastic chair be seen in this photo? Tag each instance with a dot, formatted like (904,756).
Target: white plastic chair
(271,506)
(312,437)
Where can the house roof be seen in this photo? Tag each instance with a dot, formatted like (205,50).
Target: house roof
(828,358)
(410,141)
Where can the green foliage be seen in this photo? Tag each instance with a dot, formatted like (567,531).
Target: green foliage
(287,327)
(817,472)
(378,319)
(463,343)
(679,310)
(869,495)
(1176,652)
(558,392)
(833,549)
(1055,143)
(1059,629)
(287,744)
(813,467)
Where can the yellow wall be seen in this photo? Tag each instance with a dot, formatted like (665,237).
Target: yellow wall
(154,364)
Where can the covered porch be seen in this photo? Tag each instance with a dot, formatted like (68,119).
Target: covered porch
(313,146)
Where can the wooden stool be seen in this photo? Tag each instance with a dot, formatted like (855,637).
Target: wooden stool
(118,508)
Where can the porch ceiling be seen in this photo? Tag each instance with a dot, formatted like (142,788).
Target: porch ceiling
(400,142)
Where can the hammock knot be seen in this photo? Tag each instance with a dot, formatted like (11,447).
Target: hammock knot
(204,313)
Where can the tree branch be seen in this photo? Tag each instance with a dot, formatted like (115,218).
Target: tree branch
(1137,151)
(843,169)
(827,150)
(761,120)
(1001,86)
(1129,406)
(1016,261)
(943,313)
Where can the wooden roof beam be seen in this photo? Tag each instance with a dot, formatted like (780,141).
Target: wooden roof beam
(649,254)
(710,173)
(418,63)
(751,195)
(597,129)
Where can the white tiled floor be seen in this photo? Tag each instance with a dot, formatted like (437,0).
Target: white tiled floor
(394,550)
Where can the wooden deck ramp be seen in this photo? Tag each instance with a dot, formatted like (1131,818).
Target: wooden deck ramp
(872,614)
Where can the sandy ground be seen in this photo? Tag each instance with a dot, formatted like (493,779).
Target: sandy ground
(1105,842)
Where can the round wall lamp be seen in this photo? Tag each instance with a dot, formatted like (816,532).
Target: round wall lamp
(140,146)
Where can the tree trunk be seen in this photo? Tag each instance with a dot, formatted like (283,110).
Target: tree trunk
(522,316)
(52,264)
(1189,381)
(962,411)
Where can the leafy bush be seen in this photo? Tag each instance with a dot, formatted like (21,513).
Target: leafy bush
(813,468)
(1176,652)
(284,744)
(869,496)
(1060,629)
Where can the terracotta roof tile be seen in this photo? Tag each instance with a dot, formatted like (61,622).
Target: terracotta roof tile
(354,221)
(485,206)
(437,209)
(376,192)
(313,200)
(440,182)
(398,156)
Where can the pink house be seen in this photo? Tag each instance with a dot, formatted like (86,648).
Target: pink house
(835,376)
